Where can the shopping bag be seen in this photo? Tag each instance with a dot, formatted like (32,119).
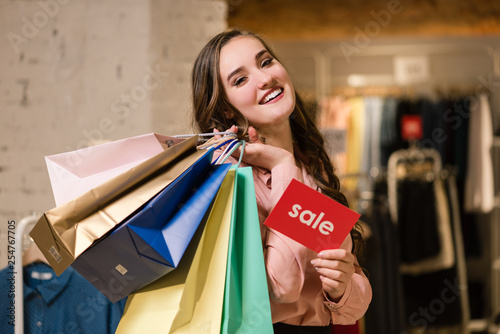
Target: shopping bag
(74,173)
(65,232)
(151,243)
(246,297)
(190,298)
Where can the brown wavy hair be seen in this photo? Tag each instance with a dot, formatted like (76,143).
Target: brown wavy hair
(210,104)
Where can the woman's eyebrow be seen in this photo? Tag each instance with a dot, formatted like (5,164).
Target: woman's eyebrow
(236,71)
(260,53)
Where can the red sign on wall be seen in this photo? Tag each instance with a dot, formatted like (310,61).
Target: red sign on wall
(411,127)
(311,218)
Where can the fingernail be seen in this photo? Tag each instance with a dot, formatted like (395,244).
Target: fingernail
(320,254)
(313,262)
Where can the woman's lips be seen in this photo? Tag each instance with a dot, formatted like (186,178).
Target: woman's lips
(272,95)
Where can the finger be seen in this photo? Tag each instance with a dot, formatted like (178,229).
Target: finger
(337,267)
(335,275)
(331,285)
(216,136)
(253,134)
(329,264)
(336,254)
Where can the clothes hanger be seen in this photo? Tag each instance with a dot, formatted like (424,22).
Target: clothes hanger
(422,163)
(32,255)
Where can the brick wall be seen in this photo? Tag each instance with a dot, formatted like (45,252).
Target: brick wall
(75,73)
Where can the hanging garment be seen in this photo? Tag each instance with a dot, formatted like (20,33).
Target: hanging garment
(435,299)
(388,130)
(461,117)
(334,113)
(479,183)
(59,304)
(376,108)
(432,299)
(333,122)
(445,258)
(355,135)
(461,265)
(434,133)
(417,227)
(447,142)
(385,314)
(458,115)
(370,155)
(335,146)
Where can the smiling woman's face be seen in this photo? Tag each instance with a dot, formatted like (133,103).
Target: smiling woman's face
(255,83)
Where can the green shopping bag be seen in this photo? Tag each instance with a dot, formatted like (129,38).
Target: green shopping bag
(246,307)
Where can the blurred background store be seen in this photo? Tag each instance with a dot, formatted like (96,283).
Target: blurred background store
(385,78)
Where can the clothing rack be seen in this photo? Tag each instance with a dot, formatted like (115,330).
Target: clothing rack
(23,228)
(415,158)
(408,91)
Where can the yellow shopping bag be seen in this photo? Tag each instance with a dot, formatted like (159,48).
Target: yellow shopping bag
(190,298)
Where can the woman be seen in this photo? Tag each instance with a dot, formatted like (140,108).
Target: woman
(238,84)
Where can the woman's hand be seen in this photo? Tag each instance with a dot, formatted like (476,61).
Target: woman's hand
(259,154)
(335,266)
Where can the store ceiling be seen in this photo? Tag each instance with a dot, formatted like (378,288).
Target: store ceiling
(339,19)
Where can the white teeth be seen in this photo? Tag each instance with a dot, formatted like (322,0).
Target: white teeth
(273,95)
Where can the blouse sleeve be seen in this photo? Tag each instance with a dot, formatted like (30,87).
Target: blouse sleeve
(286,259)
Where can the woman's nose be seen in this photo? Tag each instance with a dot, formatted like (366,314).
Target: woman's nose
(265,80)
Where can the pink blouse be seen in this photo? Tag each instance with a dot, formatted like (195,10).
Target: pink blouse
(296,293)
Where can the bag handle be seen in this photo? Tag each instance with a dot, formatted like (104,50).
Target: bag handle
(232,147)
(228,138)
(208,134)
(217,143)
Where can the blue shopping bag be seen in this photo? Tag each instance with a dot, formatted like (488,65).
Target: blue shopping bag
(152,241)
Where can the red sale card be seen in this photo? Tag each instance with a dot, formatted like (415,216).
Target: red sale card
(311,218)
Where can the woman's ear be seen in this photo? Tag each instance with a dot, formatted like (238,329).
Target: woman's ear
(229,114)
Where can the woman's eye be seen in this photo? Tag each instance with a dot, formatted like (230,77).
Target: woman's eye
(239,81)
(266,62)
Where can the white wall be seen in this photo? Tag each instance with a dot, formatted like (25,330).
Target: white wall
(75,73)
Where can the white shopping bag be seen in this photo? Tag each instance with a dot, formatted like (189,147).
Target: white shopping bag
(76,172)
